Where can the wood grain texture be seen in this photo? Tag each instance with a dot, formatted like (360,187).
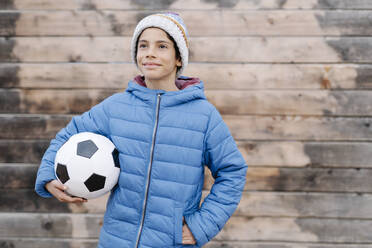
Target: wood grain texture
(305,180)
(92,243)
(178,4)
(243,128)
(237,229)
(225,23)
(282,154)
(31,126)
(299,128)
(291,78)
(50,225)
(202,49)
(252,204)
(296,230)
(215,76)
(306,154)
(234,102)
(353,180)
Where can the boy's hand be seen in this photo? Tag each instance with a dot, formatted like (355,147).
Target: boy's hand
(187,237)
(57,189)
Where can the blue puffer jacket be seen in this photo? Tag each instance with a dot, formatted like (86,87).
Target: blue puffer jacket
(164,140)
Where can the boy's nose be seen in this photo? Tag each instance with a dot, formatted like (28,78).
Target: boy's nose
(151,52)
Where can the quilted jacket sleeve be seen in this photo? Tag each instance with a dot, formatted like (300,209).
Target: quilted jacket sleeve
(229,171)
(95,120)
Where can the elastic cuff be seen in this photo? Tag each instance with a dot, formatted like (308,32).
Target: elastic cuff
(41,190)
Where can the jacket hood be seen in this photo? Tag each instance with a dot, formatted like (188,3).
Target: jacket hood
(190,89)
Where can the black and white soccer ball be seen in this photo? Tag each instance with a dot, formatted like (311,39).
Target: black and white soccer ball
(88,164)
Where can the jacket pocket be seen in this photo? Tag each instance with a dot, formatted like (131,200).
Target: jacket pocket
(178,215)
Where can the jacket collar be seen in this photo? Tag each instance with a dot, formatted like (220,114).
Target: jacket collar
(190,89)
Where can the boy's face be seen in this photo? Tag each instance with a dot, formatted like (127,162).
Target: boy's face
(156,55)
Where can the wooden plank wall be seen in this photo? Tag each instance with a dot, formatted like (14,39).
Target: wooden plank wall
(293,81)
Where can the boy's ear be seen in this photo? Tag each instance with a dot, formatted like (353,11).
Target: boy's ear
(178,63)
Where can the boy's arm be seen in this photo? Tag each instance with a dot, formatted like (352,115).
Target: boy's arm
(229,171)
(95,120)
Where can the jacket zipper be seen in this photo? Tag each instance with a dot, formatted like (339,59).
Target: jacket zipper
(149,168)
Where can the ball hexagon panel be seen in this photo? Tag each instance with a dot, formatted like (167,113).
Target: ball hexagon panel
(86,148)
(95,182)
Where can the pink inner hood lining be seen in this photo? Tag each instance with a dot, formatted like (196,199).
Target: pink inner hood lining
(181,83)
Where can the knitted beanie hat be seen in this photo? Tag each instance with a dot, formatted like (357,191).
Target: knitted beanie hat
(171,23)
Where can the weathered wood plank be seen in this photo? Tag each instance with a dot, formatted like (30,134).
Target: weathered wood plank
(50,225)
(299,128)
(92,243)
(22,151)
(287,154)
(268,102)
(247,244)
(305,154)
(31,126)
(305,180)
(314,205)
(50,101)
(296,230)
(237,228)
(203,49)
(191,4)
(252,204)
(26,200)
(237,22)
(243,128)
(17,176)
(273,102)
(48,242)
(214,76)
(20,176)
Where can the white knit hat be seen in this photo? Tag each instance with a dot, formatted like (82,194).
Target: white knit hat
(171,23)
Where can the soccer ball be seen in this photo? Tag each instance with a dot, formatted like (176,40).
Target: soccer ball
(88,164)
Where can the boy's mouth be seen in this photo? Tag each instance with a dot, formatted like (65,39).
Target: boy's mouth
(150,64)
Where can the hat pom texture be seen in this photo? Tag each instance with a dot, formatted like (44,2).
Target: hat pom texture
(171,23)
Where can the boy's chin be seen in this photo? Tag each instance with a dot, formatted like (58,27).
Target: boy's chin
(155,76)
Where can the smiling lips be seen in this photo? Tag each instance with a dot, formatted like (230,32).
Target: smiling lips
(150,65)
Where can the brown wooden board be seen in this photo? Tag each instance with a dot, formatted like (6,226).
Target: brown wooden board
(48,243)
(252,204)
(299,128)
(237,229)
(202,49)
(22,176)
(17,176)
(31,126)
(215,76)
(233,102)
(22,151)
(50,225)
(263,154)
(243,128)
(28,201)
(307,154)
(305,180)
(297,230)
(176,5)
(226,23)
(92,243)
